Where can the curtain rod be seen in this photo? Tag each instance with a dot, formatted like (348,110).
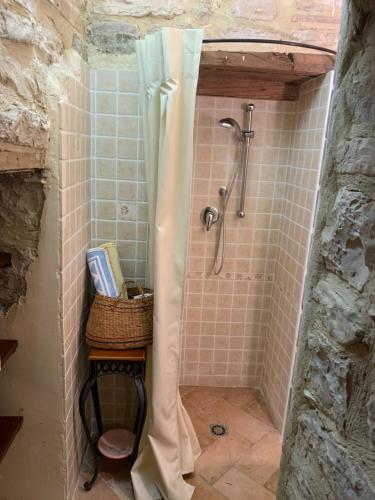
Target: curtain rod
(262,40)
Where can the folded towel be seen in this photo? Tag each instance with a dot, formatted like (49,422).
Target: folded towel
(142,296)
(114,260)
(101,272)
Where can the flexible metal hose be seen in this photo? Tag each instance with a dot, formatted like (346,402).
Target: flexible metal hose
(224,198)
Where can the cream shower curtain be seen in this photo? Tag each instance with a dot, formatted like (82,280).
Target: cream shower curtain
(168,66)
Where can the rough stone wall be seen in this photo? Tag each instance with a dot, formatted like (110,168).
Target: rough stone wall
(33,35)
(21,204)
(329,441)
(113,25)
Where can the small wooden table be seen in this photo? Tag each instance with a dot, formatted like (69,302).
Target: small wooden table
(131,363)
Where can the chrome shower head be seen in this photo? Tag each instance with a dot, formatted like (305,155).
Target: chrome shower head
(231,123)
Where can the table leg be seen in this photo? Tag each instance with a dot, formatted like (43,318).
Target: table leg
(90,382)
(95,401)
(141,413)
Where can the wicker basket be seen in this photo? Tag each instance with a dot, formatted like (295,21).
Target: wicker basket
(120,323)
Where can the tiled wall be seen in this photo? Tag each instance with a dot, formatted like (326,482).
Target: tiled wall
(240,328)
(119,188)
(226,317)
(75,194)
(301,184)
(119,202)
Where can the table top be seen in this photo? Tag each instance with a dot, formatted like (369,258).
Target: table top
(117,355)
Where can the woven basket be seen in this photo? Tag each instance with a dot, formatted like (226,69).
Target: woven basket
(120,323)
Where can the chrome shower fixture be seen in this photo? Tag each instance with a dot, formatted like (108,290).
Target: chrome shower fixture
(247,134)
(244,135)
(231,123)
(207,216)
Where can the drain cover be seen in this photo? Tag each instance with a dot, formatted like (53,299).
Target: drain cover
(218,430)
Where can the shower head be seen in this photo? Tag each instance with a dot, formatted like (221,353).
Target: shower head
(231,123)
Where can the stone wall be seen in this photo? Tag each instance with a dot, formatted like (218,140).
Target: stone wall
(113,25)
(33,36)
(329,441)
(21,204)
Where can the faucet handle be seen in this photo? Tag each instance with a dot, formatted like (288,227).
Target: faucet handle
(209,216)
(209,219)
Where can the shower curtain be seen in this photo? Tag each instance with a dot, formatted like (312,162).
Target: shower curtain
(168,64)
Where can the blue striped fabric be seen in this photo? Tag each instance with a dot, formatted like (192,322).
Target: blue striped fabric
(101,272)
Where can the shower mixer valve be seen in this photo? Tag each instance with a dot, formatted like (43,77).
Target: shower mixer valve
(209,216)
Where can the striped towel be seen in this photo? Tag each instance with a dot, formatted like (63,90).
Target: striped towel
(114,261)
(101,272)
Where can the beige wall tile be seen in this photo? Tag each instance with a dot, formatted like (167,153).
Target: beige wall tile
(128,81)
(106,80)
(106,147)
(75,199)
(106,190)
(105,103)
(106,125)
(127,149)
(128,104)
(127,126)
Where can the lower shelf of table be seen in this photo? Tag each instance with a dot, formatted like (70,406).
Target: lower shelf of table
(116,443)
(9,426)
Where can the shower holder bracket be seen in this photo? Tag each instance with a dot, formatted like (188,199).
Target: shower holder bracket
(249,134)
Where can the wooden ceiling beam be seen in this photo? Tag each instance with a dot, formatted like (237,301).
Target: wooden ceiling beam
(259,75)
(228,86)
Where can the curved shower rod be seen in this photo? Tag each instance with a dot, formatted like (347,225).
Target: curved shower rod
(262,40)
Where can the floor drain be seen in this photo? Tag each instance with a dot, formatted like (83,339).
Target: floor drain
(218,430)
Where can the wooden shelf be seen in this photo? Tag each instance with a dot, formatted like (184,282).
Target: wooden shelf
(259,75)
(13,158)
(7,348)
(9,426)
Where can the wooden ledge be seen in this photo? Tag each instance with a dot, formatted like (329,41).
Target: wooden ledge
(14,158)
(259,75)
(9,426)
(7,348)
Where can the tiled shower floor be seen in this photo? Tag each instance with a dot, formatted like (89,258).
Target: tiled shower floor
(240,466)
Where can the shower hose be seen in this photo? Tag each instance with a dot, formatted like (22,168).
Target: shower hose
(225,194)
